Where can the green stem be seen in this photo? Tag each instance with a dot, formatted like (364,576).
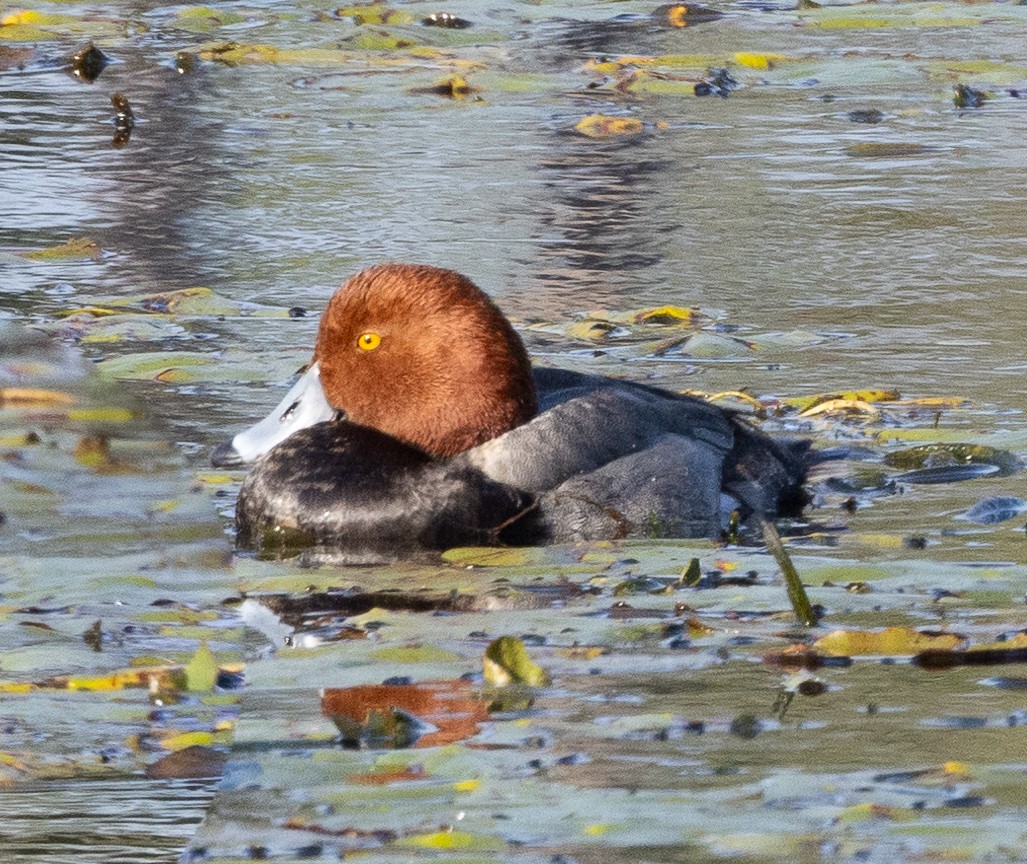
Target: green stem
(796,592)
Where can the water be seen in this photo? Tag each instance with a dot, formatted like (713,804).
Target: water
(100,821)
(771,210)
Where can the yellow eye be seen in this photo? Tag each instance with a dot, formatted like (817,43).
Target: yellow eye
(369,341)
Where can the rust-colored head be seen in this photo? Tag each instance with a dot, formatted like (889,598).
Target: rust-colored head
(423,355)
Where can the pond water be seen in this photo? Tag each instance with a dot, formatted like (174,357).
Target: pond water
(837,211)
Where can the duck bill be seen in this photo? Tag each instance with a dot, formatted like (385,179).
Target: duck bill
(304,405)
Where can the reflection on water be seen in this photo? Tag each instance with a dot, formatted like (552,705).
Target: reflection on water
(595,228)
(132,821)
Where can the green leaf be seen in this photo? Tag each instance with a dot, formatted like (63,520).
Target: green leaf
(201,672)
(507,662)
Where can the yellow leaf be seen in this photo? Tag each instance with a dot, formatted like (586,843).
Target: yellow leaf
(1019,640)
(93,311)
(24,16)
(187,739)
(453,840)
(102,415)
(606,126)
(153,678)
(33,397)
(452,87)
(938,402)
(79,247)
(666,315)
(725,395)
(839,406)
(805,402)
(890,641)
(758,60)
(213,478)
(868,810)
(591,330)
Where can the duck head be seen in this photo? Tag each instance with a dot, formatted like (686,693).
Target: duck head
(417,352)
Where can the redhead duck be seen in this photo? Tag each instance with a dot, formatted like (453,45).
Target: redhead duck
(420,424)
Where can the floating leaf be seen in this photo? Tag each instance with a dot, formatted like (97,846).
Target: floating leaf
(890,642)
(374,13)
(594,331)
(151,678)
(103,414)
(989,511)
(81,247)
(606,126)
(507,662)
(707,346)
(804,403)
(484,556)
(947,474)
(454,840)
(976,460)
(182,740)
(415,654)
(452,87)
(192,762)
(841,406)
(425,714)
(676,315)
(201,672)
(204,19)
(27,16)
(758,60)
(149,366)
(33,397)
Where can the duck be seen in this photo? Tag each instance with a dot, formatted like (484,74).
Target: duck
(420,424)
